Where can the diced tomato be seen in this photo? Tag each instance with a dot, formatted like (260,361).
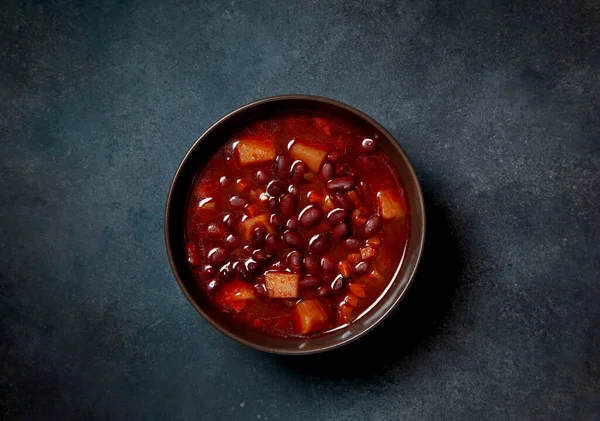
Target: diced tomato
(358,290)
(255,150)
(233,295)
(282,284)
(311,154)
(309,316)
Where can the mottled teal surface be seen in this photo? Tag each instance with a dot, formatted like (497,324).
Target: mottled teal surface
(496,102)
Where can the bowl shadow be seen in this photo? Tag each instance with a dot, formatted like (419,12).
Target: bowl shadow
(417,319)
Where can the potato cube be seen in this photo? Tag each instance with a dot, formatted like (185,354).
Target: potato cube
(282,284)
(309,316)
(310,154)
(391,204)
(249,225)
(255,150)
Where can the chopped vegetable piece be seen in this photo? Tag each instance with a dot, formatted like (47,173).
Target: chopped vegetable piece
(282,284)
(242,185)
(255,150)
(311,155)
(208,204)
(233,295)
(391,204)
(374,275)
(358,290)
(324,125)
(253,210)
(368,253)
(374,242)
(345,314)
(354,197)
(316,196)
(309,316)
(249,225)
(328,205)
(351,299)
(354,258)
(345,269)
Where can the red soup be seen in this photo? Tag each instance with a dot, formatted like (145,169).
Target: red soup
(296,225)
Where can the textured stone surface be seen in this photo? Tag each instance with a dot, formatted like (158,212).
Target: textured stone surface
(496,102)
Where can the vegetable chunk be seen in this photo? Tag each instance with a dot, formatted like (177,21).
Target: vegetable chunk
(309,317)
(310,154)
(282,284)
(255,150)
(391,204)
(233,295)
(259,221)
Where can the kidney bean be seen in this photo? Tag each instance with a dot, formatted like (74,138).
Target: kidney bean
(262,256)
(229,221)
(319,244)
(294,260)
(337,215)
(283,166)
(327,171)
(273,242)
(324,291)
(334,156)
(341,170)
(372,226)
(276,188)
(297,172)
(252,266)
(362,268)
(309,281)
(327,264)
(212,285)
(224,182)
(262,177)
(207,271)
(233,241)
(237,202)
(293,189)
(260,289)
(352,244)
(240,269)
(288,204)
(312,264)
(368,145)
(293,239)
(193,253)
(292,224)
(362,188)
(277,220)
(226,272)
(258,237)
(341,184)
(337,283)
(278,265)
(310,215)
(341,200)
(340,231)
(217,256)
(215,231)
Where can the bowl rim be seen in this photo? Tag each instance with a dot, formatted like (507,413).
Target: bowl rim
(385,312)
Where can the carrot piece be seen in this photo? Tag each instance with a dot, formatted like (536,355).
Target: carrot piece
(309,316)
(316,196)
(345,313)
(358,290)
(250,224)
(345,268)
(282,284)
(374,242)
(368,253)
(255,150)
(374,275)
(351,299)
(354,258)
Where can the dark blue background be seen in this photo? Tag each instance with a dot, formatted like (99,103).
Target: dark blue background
(496,102)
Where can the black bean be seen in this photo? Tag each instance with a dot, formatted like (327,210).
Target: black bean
(294,260)
(293,239)
(362,268)
(276,188)
(337,283)
(340,231)
(292,224)
(217,256)
(288,204)
(312,264)
(262,177)
(260,289)
(341,184)
(341,200)
(237,202)
(352,244)
(258,237)
(309,281)
(310,215)
(233,241)
(283,166)
(319,244)
(277,220)
(324,291)
(337,215)
(327,264)
(297,172)
(368,145)
(334,156)
(273,242)
(326,171)
(226,272)
(372,226)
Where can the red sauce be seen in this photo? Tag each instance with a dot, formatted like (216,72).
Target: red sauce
(296,225)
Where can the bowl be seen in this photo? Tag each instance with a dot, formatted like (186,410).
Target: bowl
(201,152)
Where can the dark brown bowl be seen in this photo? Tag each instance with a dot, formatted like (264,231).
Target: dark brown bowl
(199,154)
